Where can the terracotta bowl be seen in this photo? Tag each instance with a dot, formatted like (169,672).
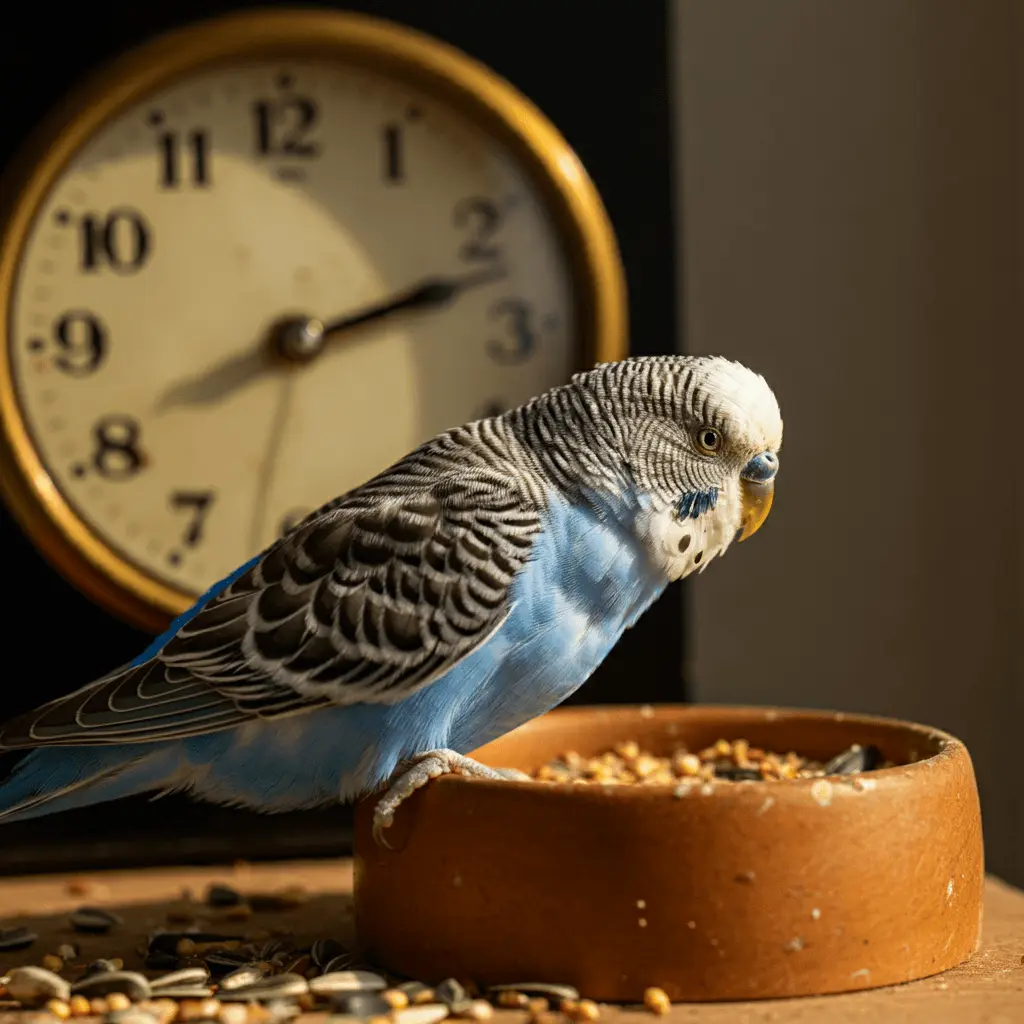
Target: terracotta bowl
(738,890)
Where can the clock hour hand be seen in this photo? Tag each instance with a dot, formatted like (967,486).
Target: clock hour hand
(301,340)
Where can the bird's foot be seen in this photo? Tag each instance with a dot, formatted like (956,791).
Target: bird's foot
(426,766)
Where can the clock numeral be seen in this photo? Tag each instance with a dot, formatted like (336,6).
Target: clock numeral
(282,127)
(520,340)
(290,520)
(81,340)
(482,218)
(117,455)
(184,157)
(394,164)
(199,503)
(119,239)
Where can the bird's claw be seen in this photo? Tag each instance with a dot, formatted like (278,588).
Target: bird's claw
(423,768)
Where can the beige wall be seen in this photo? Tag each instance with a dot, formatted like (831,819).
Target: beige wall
(850,208)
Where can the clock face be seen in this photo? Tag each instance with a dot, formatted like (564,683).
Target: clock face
(187,226)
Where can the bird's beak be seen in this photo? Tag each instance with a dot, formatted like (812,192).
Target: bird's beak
(755,503)
(757,491)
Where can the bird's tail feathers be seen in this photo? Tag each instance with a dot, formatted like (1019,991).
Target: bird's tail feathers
(53,779)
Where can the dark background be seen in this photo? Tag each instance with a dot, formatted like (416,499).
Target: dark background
(604,82)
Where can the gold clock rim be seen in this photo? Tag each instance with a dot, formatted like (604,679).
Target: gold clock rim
(65,539)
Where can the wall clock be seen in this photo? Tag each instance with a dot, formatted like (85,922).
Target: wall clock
(253,262)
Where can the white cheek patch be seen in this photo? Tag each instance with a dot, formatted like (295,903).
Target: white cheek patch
(679,547)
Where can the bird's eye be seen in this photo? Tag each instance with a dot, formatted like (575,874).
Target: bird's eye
(709,440)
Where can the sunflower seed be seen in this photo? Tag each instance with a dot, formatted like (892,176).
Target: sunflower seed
(132,1016)
(276,986)
(160,961)
(35,985)
(282,1009)
(452,994)
(223,896)
(428,1013)
(100,967)
(347,981)
(186,976)
(416,991)
(342,962)
(183,992)
(275,947)
(222,961)
(361,1004)
(554,992)
(132,984)
(323,951)
(249,974)
(67,951)
(856,759)
(12,939)
(94,919)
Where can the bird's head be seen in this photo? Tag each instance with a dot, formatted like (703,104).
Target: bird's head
(702,436)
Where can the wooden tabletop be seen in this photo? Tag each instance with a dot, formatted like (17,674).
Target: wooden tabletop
(989,988)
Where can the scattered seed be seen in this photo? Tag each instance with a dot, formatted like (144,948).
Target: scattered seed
(79,1006)
(66,951)
(59,1008)
(247,975)
(350,981)
(417,992)
(52,963)
(478,1009)
(342,962)
(275,986)
(538,1005)
(362,1004)
(657,1001)
(118,1001)
(512,1000)
(428,1013)
(584,1010)
(323,951)
(98,1007)
(186,976)
(34,986)
(160,961)
(396,999)
(134,1015)
(131,983)
(94,919)
(184,992)
(452,993)
(554,992)
(100,967)
(220,895)
(233,1013)
(13,939)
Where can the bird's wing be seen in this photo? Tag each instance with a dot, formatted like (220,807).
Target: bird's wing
(366,602)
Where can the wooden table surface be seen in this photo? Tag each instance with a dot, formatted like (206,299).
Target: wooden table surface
(989,989)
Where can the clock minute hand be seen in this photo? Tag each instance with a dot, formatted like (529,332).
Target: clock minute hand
(428,294)
(301,340)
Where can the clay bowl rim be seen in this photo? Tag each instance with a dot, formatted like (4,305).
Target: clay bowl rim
(946,747)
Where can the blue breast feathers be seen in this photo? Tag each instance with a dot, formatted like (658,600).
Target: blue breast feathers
(693,504)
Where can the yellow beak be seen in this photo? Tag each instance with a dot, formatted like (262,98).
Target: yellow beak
(756,503)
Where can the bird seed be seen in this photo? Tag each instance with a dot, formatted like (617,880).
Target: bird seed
(724,761)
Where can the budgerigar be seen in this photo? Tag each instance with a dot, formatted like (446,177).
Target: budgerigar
(470,587)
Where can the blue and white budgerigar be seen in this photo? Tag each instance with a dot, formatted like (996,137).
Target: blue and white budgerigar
(470,587)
